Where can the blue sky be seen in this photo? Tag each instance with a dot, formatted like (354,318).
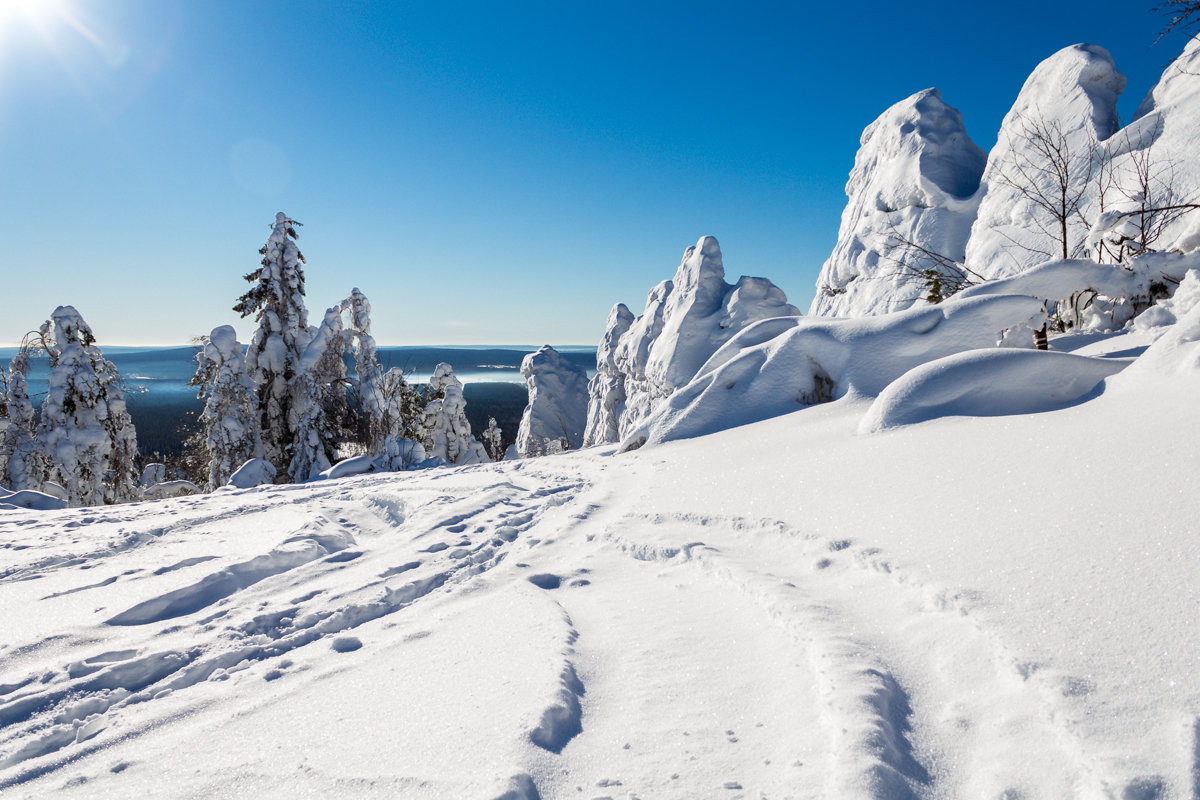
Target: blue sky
(486,173)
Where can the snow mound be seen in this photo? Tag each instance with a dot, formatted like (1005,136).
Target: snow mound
(783,365)
(1072,93)
(558,403)
(1176,351)
(914,179)
(28,498)
(686,320)
(255,472)
(987,383)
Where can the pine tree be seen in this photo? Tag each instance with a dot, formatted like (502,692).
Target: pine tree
(445,432)
(230,437)
(22,460)
(88,436)
(273,356)
(319,410)
(492,439)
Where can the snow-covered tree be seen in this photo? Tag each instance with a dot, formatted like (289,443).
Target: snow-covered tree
(86,431)
(319,409)
(22,460)
(445,431)
(492,438)
(274,354)
(231,436)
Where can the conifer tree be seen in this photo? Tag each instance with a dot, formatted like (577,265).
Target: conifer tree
(273,356)
(231,436)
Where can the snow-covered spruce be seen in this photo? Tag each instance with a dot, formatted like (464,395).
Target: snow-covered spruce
(686,319)
(782,365)
(493,439)
(606,391)
(273,356)
(89,439)
(231,436)
(1066,107)
(911,204)
(556,414)
(319,406)
(445,431)
(22,459)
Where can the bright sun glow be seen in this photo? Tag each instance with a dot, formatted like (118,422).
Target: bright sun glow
(39,14)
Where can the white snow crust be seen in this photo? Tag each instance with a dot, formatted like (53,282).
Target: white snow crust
(914,180)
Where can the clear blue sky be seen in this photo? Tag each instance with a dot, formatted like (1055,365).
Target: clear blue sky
(486,172)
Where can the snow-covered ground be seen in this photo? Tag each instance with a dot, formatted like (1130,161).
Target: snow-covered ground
(969,607)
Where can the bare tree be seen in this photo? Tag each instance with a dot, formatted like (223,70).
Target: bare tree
(937,275)
(1180,13)
(1053,173)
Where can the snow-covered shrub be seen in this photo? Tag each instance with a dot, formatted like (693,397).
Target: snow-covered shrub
(558,402)
(273,356)
(445,431)
(230,435)
(87,433)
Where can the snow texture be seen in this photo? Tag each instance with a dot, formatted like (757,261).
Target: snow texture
(558,403)
(913,187)
(685,321)
(782,365)
(1072,95)
(255,472)
(28,498)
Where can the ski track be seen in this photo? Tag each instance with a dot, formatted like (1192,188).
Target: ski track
(868,684)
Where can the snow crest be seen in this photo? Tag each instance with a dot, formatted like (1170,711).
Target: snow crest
(912,187)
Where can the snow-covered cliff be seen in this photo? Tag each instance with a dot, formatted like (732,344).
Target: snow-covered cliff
(686,320)
(558,403)
(1066,107)
(914,181)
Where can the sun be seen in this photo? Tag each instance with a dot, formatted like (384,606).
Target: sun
(38,13)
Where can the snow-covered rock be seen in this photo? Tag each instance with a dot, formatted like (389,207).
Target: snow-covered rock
(30,499)
(686,320)
(1071,97)
(783,365)
(558,403)
(914,181)
(606,391)
(987,383)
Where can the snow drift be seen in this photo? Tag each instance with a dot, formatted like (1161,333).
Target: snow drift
(783,365)
(914,181)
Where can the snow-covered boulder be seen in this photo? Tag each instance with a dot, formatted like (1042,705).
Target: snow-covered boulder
(988,383)
(558,403)
(913,186)
(255,472)
(606,391)
(1072,98)
(686,320)
(783,365)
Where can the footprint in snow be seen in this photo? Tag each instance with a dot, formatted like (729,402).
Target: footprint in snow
(346,644)
(545,580)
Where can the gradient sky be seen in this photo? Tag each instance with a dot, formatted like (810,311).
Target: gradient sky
(487,173)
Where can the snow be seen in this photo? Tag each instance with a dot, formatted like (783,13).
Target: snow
(254,472)
(914,180)
(1073,93)
(685,321)
(987,383)
(28,498)
(780,365)
(558,403)
(1009,615)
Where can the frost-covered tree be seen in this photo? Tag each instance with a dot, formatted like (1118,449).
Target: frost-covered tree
(446,433)
(492,439)
(230,436)
(88,436)
(319,408)
(277,346)
(22,459)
